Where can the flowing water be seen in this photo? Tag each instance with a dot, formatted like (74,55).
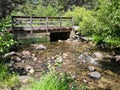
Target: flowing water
(110,71)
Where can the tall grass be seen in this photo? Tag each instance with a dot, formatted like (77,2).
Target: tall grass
(7,79)
(50,81)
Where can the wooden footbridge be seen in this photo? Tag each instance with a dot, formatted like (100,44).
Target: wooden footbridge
(41,24)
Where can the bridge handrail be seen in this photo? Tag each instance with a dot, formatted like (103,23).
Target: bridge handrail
(50,17)
(21,21)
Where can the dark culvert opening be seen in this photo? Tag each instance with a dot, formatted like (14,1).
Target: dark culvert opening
(59,36)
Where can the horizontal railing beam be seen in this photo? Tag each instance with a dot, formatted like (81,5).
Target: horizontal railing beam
(41,17)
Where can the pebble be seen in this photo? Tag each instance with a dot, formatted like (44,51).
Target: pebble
(26,53)
(60,41)
(18,59)
(91,68)
(85,81)
(64,55)
(34,58)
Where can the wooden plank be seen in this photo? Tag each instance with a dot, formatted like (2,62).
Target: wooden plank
(46,24)
(31,21)
(38,28)
(60,23)
(41,17)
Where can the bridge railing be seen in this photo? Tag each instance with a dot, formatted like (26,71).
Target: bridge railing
(29,23)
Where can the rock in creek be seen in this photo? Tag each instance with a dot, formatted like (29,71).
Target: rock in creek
(98,55)
(60,41)
(30,70)
(91,68)
(11,54)
(117,58)
(40,47)
(16,59)
(26,53)
(95,75)
(85,81)
(64,55)
(34,58)
(85,57)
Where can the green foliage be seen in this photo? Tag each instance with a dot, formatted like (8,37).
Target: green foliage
(7,79)
(84,87)
(51,82)
(78,13)
(103,22)
(6,39)
(6,6)
(36,10)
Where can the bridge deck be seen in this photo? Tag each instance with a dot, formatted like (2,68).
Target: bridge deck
(42,24)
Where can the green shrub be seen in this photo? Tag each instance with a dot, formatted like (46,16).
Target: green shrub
(102,23)
(35,10)
(6,39)
(77,13)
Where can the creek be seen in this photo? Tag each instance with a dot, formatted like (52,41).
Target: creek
(77,58)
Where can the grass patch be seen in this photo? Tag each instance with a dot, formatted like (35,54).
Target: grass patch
(7,80)
(51,81)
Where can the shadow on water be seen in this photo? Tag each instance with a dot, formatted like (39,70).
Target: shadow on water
(110,64)
(29,41)
(104,48)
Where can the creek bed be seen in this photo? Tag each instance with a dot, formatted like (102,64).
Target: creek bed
(109,71)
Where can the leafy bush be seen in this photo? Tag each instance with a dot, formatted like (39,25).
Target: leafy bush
(103,23)
(77,13)
(36,10)
(6,39)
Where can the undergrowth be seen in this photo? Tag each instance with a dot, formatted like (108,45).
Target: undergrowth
(7,80)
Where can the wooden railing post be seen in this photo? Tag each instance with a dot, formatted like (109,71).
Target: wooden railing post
(46,24)
(31,21)
(72,24)
(60,23)
(13,29)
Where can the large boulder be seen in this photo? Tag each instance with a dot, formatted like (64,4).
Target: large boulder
(86,58)
(95,75)
(98,55)
(40,47)
(16,59)
(11,54)
(26,53)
